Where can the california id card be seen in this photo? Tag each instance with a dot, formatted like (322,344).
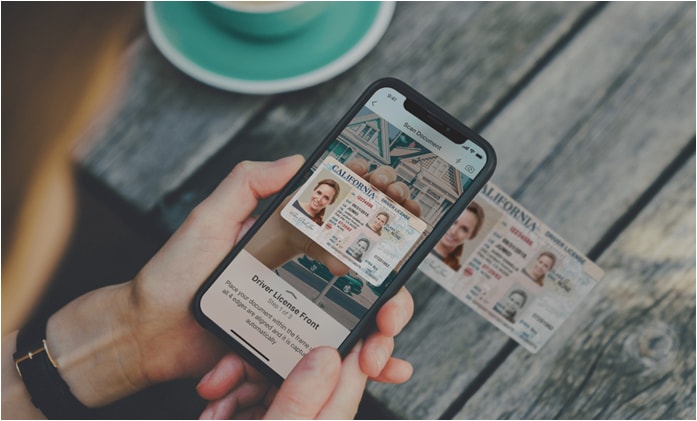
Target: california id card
(511,268)
(362,227)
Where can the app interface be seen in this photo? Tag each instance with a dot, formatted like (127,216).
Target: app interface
(318,264)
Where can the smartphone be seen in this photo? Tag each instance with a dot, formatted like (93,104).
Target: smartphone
(273,302)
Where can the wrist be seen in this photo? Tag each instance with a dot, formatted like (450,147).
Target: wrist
(94,344)
(16,401)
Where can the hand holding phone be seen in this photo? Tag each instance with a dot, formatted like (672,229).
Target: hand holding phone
(328,387)
(173,345)
(275,306)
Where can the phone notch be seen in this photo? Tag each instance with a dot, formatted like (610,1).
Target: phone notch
(432,120)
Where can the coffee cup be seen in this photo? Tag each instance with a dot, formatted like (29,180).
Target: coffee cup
(265,20)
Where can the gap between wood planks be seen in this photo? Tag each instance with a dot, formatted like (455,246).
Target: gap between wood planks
(614,231)
(479,126)
(559,45)
(687,152)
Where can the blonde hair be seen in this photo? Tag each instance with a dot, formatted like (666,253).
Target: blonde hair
(60,61)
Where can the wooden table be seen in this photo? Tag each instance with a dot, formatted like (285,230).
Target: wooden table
(591,108)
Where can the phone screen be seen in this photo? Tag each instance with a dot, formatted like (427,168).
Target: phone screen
(357,239)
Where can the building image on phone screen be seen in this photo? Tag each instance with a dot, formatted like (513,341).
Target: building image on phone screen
(433,183)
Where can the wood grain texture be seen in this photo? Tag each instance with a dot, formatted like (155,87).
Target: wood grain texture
(576,146)
(602,120)
(629,350)
(457,54)
(165,126)
(453,52)
(559,146)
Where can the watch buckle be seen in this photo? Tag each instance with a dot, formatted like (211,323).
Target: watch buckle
(31,354)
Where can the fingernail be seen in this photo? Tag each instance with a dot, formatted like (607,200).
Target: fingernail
(207,414)
(321,361)
(282,161)
(360,165)
(403,191)
(380,179)
(380,359)
(205,378)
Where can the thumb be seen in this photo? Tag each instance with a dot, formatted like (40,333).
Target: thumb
(308,387)
(237,195)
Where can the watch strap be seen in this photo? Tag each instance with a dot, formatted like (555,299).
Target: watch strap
(39,371)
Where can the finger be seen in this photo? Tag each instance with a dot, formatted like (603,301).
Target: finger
(270,396)
(219,410)
(248,395)
(412,206)
(396,371)
(382,177)
(358,165)
(227,374)
(398,191)
(237,195)
(375,353)
(385,179)
(239,397)
(253,413)
(395,313)
(246,225)
(347,395)
(308,387)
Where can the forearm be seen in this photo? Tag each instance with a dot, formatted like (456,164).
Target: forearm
(92,341)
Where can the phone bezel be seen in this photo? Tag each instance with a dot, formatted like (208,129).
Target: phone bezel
(456,129)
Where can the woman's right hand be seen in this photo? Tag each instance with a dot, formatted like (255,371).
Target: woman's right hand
(321,385)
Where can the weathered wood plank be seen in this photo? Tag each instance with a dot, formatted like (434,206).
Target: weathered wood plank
(604,121)
(571,155)
(629,351)
(454,52)
(164,126)
(459,55)
(467,64)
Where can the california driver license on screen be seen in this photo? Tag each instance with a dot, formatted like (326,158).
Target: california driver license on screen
(362,227)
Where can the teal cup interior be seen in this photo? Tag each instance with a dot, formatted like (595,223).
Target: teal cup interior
(263,20)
